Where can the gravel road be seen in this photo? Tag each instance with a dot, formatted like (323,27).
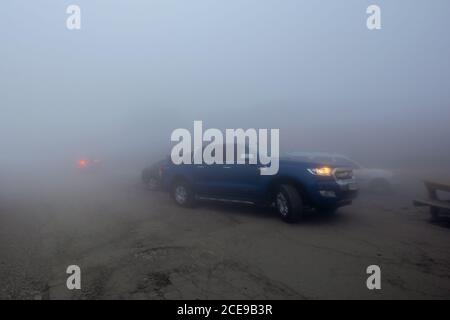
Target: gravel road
(131,243)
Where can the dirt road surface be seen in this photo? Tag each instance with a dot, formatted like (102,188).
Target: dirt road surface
(131,243)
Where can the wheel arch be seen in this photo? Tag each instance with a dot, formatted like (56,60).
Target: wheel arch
(299,186)
(178,177)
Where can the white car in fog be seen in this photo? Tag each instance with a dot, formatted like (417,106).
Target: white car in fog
(377,180)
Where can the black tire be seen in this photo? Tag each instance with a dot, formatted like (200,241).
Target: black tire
(152,183)
(288,203)
(185,198)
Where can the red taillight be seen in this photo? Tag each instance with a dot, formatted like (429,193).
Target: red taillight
(82,163)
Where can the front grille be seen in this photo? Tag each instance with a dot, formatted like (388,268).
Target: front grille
(343,174)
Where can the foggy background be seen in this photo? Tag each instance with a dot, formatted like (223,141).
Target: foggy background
(139,69)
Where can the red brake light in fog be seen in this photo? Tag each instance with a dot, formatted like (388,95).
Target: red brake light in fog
(82,163)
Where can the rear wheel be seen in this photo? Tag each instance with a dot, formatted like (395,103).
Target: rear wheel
(183,194)
(152,183)
(288,203)
(149,179)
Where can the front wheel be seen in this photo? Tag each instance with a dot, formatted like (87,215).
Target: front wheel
(288,203)
(183,194)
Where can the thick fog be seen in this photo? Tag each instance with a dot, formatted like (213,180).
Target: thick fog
(139,69)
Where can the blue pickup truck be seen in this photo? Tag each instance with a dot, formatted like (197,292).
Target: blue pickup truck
(300,184)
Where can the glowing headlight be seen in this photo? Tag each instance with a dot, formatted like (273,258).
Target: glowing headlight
(323,171)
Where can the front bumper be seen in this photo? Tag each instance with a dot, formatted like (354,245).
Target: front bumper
(334,193)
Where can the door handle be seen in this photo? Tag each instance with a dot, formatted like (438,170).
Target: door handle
(226,167)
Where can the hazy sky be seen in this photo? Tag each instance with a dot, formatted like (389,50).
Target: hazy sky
(138,69)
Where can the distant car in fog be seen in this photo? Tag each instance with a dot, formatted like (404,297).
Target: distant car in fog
(87,164)
(151,176)
(376,180)
(299,185)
